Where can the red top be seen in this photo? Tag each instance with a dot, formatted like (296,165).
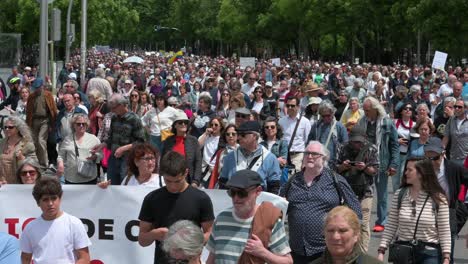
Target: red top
(179,146)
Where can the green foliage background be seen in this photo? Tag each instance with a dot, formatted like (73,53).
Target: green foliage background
(374,30)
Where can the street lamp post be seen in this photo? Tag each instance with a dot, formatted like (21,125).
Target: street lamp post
(44,35)
(84,15)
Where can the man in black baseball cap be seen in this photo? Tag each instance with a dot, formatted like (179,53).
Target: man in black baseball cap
(252,156)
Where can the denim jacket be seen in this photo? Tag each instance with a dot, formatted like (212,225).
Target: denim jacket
(279,148)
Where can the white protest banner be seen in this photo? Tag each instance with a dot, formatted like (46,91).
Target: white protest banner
(246,61)
(110,216)
(439,60)
(276,61)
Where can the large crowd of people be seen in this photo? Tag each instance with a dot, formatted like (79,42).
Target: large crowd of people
(321,135)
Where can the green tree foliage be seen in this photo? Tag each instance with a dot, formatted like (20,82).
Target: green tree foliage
(376,30)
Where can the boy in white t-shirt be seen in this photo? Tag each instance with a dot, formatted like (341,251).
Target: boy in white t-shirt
(55,237)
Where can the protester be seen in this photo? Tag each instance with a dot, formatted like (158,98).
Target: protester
(9,249)
(29,172)
(425,129)
(187,146)
(404,125)
(184,242)
(419,212)
(43,239)
(142,164)
(63,126)
(202,117)
(342,236)
(352,115)
(456,131)
(209,141)
(97,111)
(258,229)
(272,135)
(307,201)
(259,106)
(15,147)
(178,200)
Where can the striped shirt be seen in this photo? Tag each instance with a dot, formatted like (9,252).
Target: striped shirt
(433,225)
(230,234)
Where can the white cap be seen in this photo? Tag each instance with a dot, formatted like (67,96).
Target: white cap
(269,84)
(102,66)
(72,76)
(27,68)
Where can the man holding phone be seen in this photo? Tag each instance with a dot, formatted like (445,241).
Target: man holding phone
(358,163)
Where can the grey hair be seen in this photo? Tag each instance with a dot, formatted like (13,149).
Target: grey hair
(186,237)
(375,104)
(359,81)
(422,105)
(354,99)
(326,106)
(324,151)
(118,99)
(449,99)
(173,100)
(415,88)
(100,72)
(75,117)
(22,127)
(74,84)
(31,161)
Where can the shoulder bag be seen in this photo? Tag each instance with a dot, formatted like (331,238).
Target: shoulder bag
(405,251)
(86,168)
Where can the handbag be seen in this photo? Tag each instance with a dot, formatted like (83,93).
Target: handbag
(86,169)
(165,133)
(405,251)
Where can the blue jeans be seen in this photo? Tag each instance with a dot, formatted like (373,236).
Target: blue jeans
(381,184)
(396,179)
(429,256)
(156,142)
(117,169)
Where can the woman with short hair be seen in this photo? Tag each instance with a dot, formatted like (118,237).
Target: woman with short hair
(143,166)
(29,171)
(75,154)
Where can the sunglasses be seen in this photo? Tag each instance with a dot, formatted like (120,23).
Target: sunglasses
(182,123)
(30,172)
(242,193)
(408,108)
(242,116)
(232,134)
(458,106)
(290,106)
(134,95)
(225,94)
(8,127)
(270,127)
(80,124)
(259,92)
(214,125)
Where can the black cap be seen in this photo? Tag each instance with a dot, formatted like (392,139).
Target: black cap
(244,179)
(434,144)
(249,126)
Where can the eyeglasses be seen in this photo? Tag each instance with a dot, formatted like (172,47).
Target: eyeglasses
(30,172)
(408,108)
(8,127)
(80,124)
(180,123)
(313,154)
(134,95)
(232,134)
(270,127)
(242,193)
(148,158)
(241,116)
(290,106)
(458,106)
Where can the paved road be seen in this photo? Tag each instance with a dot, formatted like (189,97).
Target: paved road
(461,245)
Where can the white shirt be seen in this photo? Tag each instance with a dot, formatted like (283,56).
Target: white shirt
(302,134)
(442,179)
(209,148)
(247,89)
(54,241)
(444,90)
(158,121)
(152,182)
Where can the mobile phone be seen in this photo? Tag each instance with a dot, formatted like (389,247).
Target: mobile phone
(353,163)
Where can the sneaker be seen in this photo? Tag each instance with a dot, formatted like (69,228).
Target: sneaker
(378,228)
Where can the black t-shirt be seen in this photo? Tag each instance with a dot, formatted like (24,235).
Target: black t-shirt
(163,208)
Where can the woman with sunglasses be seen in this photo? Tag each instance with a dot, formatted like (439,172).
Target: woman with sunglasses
(404,124)
(260,107)
(209,141)
(29,171)
(185,144)
(223,109)
(158,120)
(227,143)
(272,135)
(75,151)
(135,105)
(421,197)
(15,147)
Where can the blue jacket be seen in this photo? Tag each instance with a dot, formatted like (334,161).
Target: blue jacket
(268,167)
(387,142)
(320,131)
(58,123)
(279,148)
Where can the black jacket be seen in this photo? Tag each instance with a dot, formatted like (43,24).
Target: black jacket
(193,156)
(455,175)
